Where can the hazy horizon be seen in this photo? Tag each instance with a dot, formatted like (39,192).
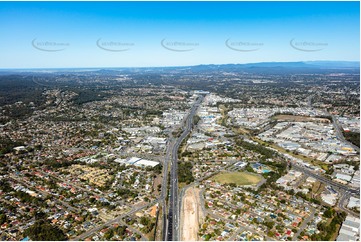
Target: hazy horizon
(216,64)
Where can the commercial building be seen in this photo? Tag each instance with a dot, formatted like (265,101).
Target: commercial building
(137,162)
(350,230)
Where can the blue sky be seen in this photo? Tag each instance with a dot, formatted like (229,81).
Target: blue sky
(126,34)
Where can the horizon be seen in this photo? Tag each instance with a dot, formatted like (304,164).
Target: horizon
(158,34)
(140,67)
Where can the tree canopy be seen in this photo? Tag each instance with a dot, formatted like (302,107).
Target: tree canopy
(43,230)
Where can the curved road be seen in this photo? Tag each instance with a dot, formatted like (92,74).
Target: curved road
(325,180)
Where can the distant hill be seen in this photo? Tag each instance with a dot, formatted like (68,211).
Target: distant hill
(261,67)
(305,67)
(299,64)
(333,64)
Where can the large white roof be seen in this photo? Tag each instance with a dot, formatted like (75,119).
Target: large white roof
(133,160)
(146,163)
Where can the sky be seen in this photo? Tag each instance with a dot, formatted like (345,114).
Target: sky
(146,34)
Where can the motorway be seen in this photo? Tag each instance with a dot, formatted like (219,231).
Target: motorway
(172,225)
(164,185)
(172,228)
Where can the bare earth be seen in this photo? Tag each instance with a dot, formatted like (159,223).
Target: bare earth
(190,215)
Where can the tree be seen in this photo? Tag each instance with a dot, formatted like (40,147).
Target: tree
(196,119)
(207,237)
(109,234)
(270,234)
(269,224)
(3,218)
(292,192)
(353,137)
(249,168)
(185,172)
(43,230)
(328,213)
(121,230)
(144,220)
(40,215)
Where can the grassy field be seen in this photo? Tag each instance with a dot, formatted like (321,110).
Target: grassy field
(224,118)
(240,130)
(239,178)
(302,157)
(295,118)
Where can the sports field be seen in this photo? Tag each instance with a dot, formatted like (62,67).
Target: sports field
(239,178)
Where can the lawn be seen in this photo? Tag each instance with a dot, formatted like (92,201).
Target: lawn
(239,178)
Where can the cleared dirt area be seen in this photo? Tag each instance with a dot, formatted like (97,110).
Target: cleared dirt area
(157,181)
(294,118)
(190,215)
(153,211)
(239,178)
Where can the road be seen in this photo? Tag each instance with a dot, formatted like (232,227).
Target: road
(325,180)
(304,223)
(45,194)
(321,178)
(164,185)
(134,230)
(76,210)
(345,190)
(172,228)
(72,184)
(235,234)
(339,133)
(309,100)
(342,204)
(110,222)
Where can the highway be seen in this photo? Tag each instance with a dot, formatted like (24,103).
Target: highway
(339,133)
(322,178)
(172,228)
(325,180)
(164,185)
(345,190)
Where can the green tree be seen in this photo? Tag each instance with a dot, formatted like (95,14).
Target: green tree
(3,218)
(43,230)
